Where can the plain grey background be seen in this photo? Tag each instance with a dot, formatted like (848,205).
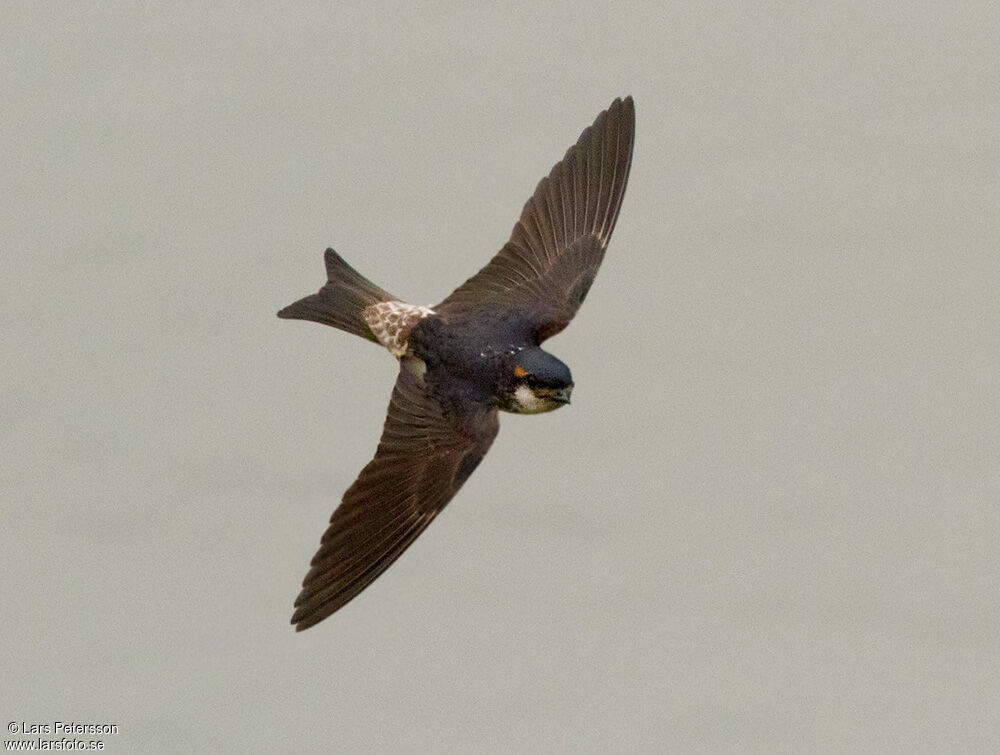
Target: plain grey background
(769,521)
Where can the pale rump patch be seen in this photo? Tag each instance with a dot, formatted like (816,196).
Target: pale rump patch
(392,321)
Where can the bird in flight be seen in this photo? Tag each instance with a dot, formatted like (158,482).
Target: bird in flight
(463,360)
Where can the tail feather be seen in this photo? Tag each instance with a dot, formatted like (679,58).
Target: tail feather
(342,301)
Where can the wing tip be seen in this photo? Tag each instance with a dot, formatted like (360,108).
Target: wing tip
(625,103)
(302,623)
(309,612)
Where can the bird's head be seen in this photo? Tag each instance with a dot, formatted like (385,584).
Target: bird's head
(534,382)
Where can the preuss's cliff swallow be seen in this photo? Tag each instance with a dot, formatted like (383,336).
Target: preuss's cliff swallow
(463,360)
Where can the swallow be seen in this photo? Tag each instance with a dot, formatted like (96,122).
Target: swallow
(464,360)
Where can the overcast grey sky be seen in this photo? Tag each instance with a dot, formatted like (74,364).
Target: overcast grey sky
(769,521)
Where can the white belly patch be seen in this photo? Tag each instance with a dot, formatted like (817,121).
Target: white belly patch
(392,321)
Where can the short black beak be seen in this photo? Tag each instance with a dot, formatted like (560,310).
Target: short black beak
(563,396)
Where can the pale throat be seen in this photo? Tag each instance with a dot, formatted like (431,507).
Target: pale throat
(528,403)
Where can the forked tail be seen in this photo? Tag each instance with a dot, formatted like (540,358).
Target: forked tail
(342,301)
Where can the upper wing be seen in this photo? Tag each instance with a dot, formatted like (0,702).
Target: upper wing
(425,454)
(556,247)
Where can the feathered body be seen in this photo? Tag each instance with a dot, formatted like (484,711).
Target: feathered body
(463,360)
